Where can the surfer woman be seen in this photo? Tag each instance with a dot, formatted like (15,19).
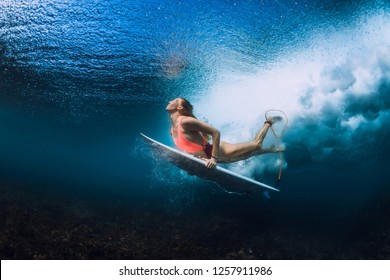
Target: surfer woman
(189,135)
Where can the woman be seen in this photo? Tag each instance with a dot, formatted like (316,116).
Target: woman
(189,135)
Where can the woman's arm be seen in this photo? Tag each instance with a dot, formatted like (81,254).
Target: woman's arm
(197,125)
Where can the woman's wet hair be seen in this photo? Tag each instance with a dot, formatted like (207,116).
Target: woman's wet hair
(187,107)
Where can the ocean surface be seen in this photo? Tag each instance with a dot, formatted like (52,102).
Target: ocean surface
(79,80)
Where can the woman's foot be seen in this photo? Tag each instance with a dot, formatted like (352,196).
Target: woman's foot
(273,119)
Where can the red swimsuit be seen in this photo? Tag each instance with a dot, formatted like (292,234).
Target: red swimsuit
(190,147)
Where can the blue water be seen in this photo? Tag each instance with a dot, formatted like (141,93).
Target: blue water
(79,80)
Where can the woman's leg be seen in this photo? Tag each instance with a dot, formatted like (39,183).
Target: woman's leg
(235,152)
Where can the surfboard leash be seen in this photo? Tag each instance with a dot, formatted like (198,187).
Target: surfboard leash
(278,140)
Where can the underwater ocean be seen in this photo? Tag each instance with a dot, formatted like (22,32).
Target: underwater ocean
(79,80)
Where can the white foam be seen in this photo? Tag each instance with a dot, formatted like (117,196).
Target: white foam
(316,83)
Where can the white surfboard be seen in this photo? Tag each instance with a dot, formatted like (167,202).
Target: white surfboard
(225,178)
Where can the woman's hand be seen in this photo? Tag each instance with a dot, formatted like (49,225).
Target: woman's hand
(210,163)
